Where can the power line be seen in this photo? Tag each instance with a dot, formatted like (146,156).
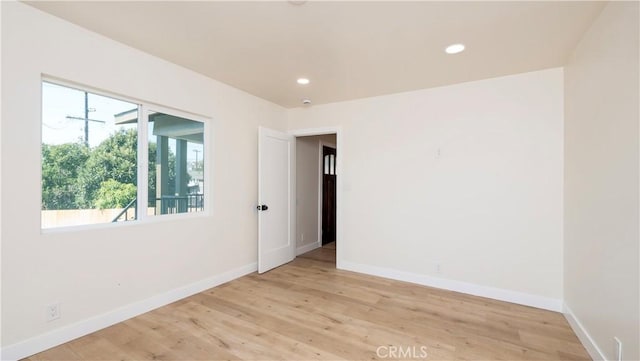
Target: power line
(86,119)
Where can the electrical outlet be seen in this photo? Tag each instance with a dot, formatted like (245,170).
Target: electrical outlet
(617,348)
(438,268)
(302,237)
(52,312)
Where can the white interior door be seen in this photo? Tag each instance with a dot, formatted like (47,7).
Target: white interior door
(276,154)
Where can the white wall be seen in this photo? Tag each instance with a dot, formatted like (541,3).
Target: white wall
(93,272)
(1,204)
(307,185)
(467,176)
(601,183)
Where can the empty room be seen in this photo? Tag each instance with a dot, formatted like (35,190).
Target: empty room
(320,180)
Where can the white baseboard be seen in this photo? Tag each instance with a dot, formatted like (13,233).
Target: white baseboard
(307,248)
(67,333)
(521,298)
(584,337)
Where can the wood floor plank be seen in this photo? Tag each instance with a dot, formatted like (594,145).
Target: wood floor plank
(308,310)
(264,338)
(61,353)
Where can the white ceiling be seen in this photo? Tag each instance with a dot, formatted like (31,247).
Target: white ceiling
(348,49)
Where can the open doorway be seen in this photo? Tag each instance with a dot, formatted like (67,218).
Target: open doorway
(316,197)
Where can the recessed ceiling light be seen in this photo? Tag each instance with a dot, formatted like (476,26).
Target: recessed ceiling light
(454,48)
(303,81)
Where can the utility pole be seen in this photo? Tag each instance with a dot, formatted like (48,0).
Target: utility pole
(196,151)
(86,119)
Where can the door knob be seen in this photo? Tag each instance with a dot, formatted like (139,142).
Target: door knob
(263,207)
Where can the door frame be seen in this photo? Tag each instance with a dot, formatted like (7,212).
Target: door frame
(337,130)
(320,180)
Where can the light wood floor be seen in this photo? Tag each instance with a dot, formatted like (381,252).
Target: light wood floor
(308,310)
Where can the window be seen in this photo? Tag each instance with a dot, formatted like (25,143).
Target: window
(329,164)
(91,164)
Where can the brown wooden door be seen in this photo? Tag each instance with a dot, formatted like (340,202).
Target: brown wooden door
(328,195)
